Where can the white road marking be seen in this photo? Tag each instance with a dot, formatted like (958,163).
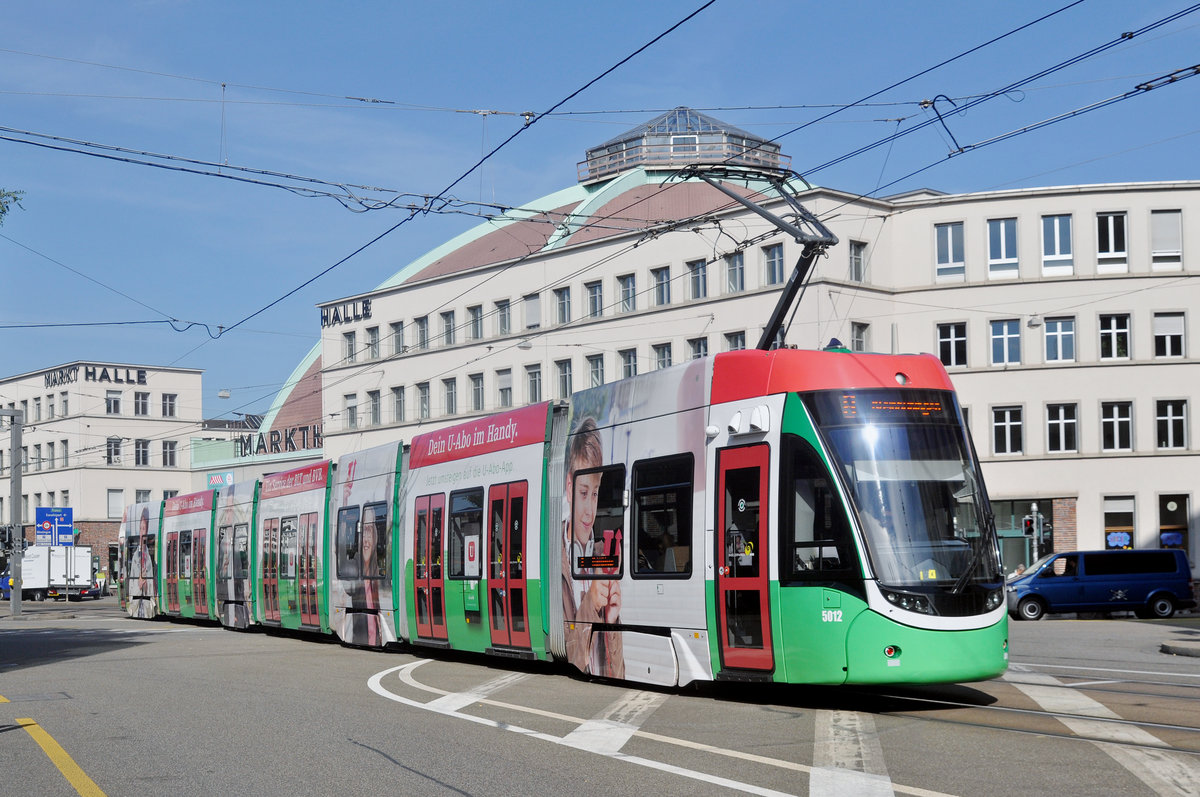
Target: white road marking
(1023,667)
(847,756)
(405,673)
(1166,772)
(456,701)
(608,732)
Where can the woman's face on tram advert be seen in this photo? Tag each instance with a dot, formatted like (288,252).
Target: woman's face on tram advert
(585,495)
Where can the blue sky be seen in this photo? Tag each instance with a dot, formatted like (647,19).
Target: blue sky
(109,241)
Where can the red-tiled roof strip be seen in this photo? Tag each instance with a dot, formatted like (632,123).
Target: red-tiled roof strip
(746,374)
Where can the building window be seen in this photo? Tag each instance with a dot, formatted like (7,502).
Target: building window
(349,347)
(350,411)
(1002,248)
(1168,334)
(422,327)
(141,452)
(627,289)
(735,273)
(141,403)
(562,305)
(141,496)
(504,387)
(373,343)
(595,299)
(1061,428)
(169,400)
(1116,426)
(1171,420)
(503,317)
(1166,240)
(1060,340)
(374,408)
(1111,255)
(62,403)
(169,494)
(596,370)
(37,457)
(424,410)
(533,311)
(699,347)
(112,453)
(661,277)
(1114,337)
(50,406)
(773,260)
(477,392)
(448,328)
(952,343)
(859,336)
(66,457)
(398,409)
(662,355)
(116,503)
(565,387)
(475,322)
(1006,342)
(49,457)
(169,448)
(112,402)
(1057,258)
(1118,522)
(1006,430)
(735,341)
(450,395)
(628,362)
(1173,521)
(533,383)
(858,261)
(950,260)
(397,332)
(698,279)
(37,409)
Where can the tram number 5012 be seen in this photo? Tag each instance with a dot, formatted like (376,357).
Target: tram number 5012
(831,615)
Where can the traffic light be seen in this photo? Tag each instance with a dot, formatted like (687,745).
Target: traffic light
(1047,535)
(1027,525)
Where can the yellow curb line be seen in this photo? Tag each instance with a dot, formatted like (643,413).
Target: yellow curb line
(78,779)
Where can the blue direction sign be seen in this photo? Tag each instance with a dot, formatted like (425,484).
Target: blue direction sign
(55,525)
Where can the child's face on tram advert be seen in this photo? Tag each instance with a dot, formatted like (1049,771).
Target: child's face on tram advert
(585,495)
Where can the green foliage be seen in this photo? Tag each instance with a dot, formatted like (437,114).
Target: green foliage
(9,199)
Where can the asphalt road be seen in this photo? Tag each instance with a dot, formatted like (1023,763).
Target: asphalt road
(146,708)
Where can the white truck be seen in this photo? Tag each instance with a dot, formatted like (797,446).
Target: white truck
(55,571)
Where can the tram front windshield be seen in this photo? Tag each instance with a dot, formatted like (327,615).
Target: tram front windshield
(915,484)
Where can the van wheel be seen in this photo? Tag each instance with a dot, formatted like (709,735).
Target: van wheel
(1162,607)
(1031,609)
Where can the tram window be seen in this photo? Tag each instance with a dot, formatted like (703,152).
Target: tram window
(185,555)
(598,496)
(466,533)
(375,541)
(241,550)
(816,542)
(287,547)
(662,516)
(225,552)
(349,566)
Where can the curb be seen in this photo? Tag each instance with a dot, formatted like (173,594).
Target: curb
(1181,648)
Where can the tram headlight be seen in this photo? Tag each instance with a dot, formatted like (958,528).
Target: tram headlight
(994,599)
(908,601)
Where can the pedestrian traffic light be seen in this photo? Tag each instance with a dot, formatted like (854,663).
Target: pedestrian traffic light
(1027,525)
(1047,535)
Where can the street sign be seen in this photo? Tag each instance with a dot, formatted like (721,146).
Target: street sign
(54,525)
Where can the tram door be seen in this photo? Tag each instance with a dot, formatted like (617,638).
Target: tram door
(743,606)
(310,607)
(506,565)
(271,569)
(427,567)
(173,571)
(200,572)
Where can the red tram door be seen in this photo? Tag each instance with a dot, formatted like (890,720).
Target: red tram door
(270,589)
(427,567)
(310,606)
(200,572)
(506,565)
(743,607)
(173,571)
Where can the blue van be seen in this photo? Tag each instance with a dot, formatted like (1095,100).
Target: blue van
(1150,583)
